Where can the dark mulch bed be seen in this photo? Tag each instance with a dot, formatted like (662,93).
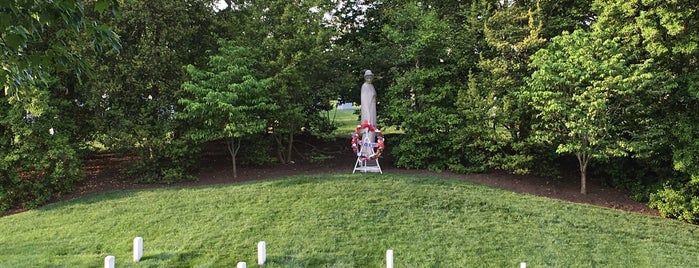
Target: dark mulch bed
(102,175)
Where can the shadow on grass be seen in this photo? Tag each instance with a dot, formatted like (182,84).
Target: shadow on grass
(310,261)
(173,258)
(91,199)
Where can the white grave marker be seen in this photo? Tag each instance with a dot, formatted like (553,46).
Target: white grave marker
(137,249)
(109,262)
(242,264)
(389,258)
(522,265)
(261,253)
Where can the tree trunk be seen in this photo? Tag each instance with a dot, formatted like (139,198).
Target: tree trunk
(280,151)
(582,161)
(233,145)
(290,148)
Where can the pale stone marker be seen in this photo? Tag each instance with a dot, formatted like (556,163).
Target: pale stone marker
(137,249)
(522,265)
(261,253)
(109,262)
(389,258)
(241,264)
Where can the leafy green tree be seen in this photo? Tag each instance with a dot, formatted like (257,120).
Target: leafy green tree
(663,33)
(228,101)
(558,16)
(295,51)
(40,117)
(420,99)
(512,33)
(578,91)
(40,154)
(37,36)
(136,96)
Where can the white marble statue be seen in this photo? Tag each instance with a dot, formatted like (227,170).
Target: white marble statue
(368,104)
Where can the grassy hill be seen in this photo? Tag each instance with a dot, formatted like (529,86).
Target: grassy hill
(342,221)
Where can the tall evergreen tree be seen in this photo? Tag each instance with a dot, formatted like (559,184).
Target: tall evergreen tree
(512,32)
(420,98)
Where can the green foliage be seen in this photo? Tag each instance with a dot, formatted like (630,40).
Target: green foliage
(229,101)
(39,152)
(258,151)
(678,201)
(41,123)
(476,139)
(420,99)
(38,38)
(165,164)
(427,120)
(295,52)
(495,121)
(680,197)
(135,99)
(576,90)
(662,36)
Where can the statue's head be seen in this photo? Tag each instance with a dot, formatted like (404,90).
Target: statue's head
(368,76)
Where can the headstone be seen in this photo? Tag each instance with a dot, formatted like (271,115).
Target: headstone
(389,258)
(109,262)
(522,265)
(242,264)
(261,253)
(137,249)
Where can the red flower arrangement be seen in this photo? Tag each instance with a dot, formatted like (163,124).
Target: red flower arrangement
(379,145)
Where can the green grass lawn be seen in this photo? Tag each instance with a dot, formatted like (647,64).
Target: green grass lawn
(342,220)
(347,121)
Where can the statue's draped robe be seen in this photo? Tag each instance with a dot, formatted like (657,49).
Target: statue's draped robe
(368,104)
(368,109)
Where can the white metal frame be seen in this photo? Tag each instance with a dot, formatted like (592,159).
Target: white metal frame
(366,147)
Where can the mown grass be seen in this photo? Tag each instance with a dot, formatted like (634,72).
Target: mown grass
(347,120)
(342,220)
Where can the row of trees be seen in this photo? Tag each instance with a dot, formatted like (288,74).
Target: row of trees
(521,85)
(475,85)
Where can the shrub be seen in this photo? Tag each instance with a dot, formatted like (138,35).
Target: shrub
(165,164)
(33,173)
(678,201)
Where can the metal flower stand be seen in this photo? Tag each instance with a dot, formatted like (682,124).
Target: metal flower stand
(364,162)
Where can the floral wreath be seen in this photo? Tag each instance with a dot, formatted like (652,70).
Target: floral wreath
(379,141)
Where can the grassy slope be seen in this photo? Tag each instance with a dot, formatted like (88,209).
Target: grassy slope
(342,221)
(347,121)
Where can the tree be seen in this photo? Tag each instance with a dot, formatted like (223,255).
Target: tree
(40,119)
(28,55)
(295,51)
(228,101)
(511,33)
(420,98)
(576,90)
(136,96)
(663,33)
